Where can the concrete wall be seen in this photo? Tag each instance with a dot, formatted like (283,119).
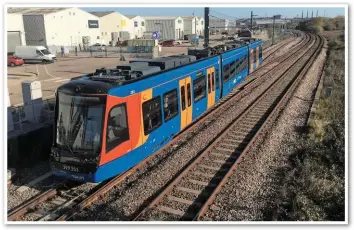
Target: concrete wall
(15,23)
(67,27)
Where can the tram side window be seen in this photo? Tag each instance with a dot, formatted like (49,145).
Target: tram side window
(170,104)
(226,72)
(233,69)
(238,65)
(209,83)
(152,114)
(255,55)
(117,127)
(199,88)
(217,78)
(244,64)
(260,52)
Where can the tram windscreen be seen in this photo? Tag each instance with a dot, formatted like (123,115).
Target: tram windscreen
(79,122)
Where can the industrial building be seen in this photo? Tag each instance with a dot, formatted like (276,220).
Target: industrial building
(15,32)
(112,25)
(137,25)
(57,27)
(193,25)
(218,25)
(169,27)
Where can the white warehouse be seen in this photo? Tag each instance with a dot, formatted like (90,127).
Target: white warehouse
(59,26)
(137,25)
(15,32)
(193,25)
(169,27)
(112,23)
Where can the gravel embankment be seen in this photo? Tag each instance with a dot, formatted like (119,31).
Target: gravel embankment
(251,192)
(123,202)
(14,197)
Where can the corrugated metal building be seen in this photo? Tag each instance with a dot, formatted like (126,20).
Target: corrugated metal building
(59,26)
(169,27)
(193,25)
(15,32)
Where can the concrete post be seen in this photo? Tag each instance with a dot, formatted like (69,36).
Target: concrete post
(10,121)
(32,100)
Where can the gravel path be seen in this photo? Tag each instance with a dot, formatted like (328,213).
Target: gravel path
(251,192)
(123,202)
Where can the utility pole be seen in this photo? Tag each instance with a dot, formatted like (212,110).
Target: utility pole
(251,20)
(317,14)
(302,15)
(312,15)
(206,27)
(273,29)
(307,15)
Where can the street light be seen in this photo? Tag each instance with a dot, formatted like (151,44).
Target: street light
(158,23)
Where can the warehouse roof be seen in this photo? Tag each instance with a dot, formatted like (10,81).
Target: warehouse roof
(101,13)
(189,17)
(34,10)
(160,17)
(130,16)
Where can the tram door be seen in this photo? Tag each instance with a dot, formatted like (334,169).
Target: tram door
(185,90)
(211,86)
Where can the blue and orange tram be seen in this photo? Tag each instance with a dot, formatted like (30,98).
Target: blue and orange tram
(109,121)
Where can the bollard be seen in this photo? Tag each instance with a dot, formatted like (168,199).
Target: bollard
(10,121)
(32,100)
(76,51)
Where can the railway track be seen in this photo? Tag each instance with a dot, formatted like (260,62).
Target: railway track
(69,207)
(269,54)
(191,193)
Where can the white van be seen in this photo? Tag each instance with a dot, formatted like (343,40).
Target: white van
(34,54)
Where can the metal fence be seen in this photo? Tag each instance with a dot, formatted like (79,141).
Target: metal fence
(108,51)
(26,118)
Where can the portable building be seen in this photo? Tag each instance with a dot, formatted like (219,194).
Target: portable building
(170,27)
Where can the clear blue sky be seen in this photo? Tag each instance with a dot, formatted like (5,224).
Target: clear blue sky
(228,13)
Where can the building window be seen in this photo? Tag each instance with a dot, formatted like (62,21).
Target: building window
(98,37)
(69,13)
(102,33)
(73,13)
(142,23)
(170,104)
(179,21)
(117,127)
(152,114)
(202,23)
(199,86)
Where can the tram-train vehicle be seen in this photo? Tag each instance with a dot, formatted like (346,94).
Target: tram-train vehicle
(109,121)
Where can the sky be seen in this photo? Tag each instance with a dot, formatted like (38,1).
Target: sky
(224,13)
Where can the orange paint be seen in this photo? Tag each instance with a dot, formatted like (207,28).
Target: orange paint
(251,60)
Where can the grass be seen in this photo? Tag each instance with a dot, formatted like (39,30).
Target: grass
(314,185)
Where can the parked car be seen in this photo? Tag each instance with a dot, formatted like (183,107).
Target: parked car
(34,54)
(168,43)
(98,47)
(14,61)
(225,33)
